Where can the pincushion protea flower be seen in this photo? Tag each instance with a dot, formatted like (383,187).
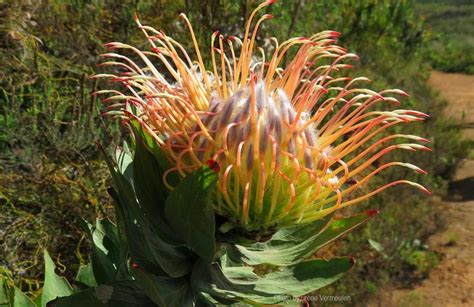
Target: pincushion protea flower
(289,141)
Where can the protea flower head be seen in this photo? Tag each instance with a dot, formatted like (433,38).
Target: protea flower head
(290,142)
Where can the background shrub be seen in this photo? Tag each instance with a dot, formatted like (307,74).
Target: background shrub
(50,168)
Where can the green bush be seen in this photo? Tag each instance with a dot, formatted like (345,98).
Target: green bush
(49,122)
(452,39)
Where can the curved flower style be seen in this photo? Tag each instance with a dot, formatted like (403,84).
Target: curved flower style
(289,141)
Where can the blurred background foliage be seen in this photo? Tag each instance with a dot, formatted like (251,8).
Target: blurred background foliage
(452,25)
(51,172)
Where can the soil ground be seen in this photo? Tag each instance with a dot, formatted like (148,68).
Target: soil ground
(451,283)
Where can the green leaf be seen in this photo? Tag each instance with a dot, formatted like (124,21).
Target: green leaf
(146,244)
(124,160)
(211,280)
(21,299)
(204,300)
(149,243)
(190,212)
(121,293)
(5,292)
(106,241)
(151,191)
(153,147)
(273,288)
(54,286)
(107,259)
(11,295)
(85,275)
(132,236)
(164,290)
(289,246)
(174,260)
(303,277)
(37,299)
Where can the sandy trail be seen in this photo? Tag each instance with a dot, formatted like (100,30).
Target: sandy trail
(458,91)
(451,283)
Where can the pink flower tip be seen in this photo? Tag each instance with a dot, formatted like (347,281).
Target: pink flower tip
(160,35)
(421,171)
(352,260)
(372,212)
(213,165)
(417,113)
(426,191)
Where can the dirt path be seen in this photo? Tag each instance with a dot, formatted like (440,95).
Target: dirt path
(458,90)
(451,283)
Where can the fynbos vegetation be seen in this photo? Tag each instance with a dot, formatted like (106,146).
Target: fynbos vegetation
(51,171)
